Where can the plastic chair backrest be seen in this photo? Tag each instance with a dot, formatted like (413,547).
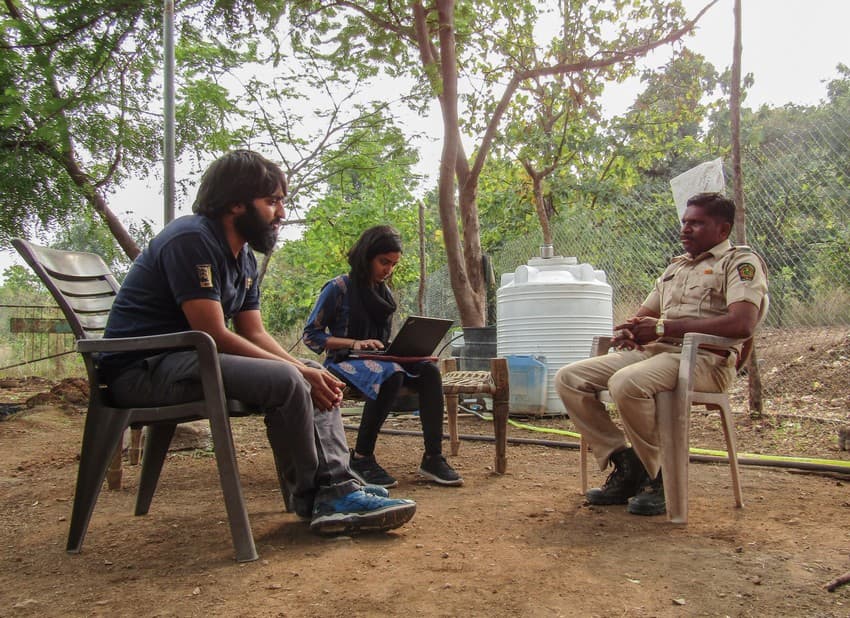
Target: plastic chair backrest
(81,283)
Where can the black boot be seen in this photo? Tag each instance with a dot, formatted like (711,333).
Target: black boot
(650,501)
(624,481)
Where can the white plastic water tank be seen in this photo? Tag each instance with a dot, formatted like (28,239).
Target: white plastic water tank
(552,307)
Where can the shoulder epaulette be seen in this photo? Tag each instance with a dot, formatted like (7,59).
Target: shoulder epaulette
(748,249)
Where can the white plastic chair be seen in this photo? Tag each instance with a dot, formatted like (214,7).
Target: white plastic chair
(674,416)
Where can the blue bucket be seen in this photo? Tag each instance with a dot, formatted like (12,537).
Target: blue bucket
(527,380)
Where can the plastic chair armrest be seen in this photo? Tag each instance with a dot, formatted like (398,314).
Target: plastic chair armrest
(691,342)
(187,339)
(601,345)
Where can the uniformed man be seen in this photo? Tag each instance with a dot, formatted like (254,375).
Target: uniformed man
(714,288)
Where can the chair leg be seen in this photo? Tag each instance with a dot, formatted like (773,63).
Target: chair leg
(673,432)
(115,473)
(732,451)
(234,500)
(134,453)
(101,437)
(500,428)
(451,416)
(501,399)
(582,464)
(158,439)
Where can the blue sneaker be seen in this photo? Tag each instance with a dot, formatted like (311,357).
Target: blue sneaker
(306,513)
(360,511)
(375,490)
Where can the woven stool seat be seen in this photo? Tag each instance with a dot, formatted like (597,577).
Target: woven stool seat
(493,383)
(457,382)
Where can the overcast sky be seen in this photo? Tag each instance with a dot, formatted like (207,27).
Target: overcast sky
(790,46)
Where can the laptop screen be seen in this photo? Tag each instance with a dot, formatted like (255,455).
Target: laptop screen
(418,336)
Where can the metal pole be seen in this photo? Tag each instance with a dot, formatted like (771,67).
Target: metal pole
(168,188)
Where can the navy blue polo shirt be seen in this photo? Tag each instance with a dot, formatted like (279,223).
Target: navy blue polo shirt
(187,260)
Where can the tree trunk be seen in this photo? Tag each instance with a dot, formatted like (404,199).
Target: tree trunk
(462,255)
(735,116)
(463,252)
(756,401)
(96,199)
(539,203)
(422,259)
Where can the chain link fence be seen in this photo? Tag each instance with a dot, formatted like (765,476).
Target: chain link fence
(36,339)
(797,201)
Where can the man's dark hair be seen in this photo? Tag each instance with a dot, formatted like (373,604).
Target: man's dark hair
(239,177)
(715,205)
(374,241)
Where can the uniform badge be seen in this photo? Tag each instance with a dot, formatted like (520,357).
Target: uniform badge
(746,271)
(204,275)
(248,283)
(708,271)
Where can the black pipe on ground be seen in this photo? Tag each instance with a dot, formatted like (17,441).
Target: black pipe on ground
(745,461)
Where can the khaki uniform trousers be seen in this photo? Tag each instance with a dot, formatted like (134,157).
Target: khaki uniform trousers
(632,378)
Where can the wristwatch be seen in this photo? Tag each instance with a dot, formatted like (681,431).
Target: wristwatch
(659,327)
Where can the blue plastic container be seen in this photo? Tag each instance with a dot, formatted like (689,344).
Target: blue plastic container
(527,380)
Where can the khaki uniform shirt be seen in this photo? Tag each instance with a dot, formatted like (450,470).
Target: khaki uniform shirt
(705,286)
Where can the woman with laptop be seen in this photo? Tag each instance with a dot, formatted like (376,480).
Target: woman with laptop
(352,316)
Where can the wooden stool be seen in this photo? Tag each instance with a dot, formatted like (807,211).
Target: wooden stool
(493,383)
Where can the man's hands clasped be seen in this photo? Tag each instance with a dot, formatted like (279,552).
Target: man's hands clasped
(325,388)
(634,333)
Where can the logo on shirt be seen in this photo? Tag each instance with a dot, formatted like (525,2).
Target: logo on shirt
(746,271)
(248,283)
(204,275)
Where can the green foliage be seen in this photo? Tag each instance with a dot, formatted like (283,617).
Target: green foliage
(662,134)
(87,234)
(80,113)
(368,182)
(505,205)
(803,224)
(81,103)
(21,286)
(593,167)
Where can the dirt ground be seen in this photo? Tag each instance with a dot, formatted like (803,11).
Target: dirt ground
(521,544)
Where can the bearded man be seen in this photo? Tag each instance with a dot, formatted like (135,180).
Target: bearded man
(199,274)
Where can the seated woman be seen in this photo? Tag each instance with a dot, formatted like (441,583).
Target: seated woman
(354,312)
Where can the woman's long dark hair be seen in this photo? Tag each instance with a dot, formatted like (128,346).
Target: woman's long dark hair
(374,241)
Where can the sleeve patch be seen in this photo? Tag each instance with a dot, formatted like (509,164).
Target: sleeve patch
(746,271)
(205,275)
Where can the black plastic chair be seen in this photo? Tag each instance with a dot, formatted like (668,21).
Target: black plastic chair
(84,287)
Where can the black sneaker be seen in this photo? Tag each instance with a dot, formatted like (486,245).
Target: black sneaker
(625,480)
(437,469)
(650,501)
(369,472)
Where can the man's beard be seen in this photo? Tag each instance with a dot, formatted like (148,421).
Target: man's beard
(260,235)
